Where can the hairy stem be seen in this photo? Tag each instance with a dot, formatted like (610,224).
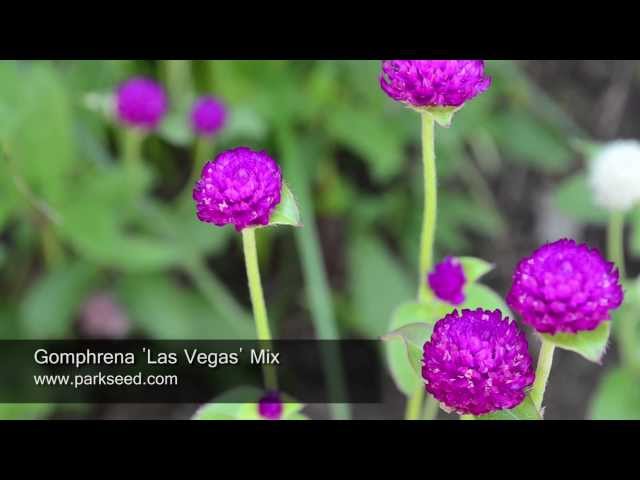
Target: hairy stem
(545,360)
(615,241)
(257,299)
(427,236)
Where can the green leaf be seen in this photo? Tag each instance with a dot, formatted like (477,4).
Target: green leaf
(574,198)
(226,411)
(51,303)
(410,327)
(617,396)
(441,115)
(635,232)
(25,411)
(175,128)
(530,142)
(181,227)
(525,411)
(372,266)
(244,411)
(370,137)
(481,296)
(287,211)
(165,311)
(42,143)
(591,345)
(474,268)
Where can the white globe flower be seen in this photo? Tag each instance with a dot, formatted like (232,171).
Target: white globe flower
(614,175)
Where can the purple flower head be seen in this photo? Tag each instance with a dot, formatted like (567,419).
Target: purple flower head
(141,103)
(270,406)
(433,83)
(208,116)
(447,281)
(240,187)
(477,362)
(565,287)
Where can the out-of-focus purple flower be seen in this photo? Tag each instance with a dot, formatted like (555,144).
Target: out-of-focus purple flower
(102,317)
(447,281)
(433,83)
(565,287)
(208,116)
(141,103)
(477,362)
(270,406)
(240,187)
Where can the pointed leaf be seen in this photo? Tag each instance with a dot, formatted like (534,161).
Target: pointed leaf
(287,211)
(618,396)
(525,411)
(443,116)
(412,323)
(591,345)
(481,296)
(474,268)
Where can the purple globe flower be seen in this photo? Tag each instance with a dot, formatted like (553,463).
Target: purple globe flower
(208,116)
(240,187)
(477,362)
(270,406)
(141,103)
(433,83)
(447,281)
(565,287)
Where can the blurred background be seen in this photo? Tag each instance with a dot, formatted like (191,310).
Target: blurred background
(91,249)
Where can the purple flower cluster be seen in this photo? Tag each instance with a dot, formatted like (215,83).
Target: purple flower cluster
(240,187)
(433,83)
(447,281)
(141,103)
(565,287)
(270,406)
(208,116)
(477,362)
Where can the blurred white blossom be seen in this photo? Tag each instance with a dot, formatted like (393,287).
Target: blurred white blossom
(614,175)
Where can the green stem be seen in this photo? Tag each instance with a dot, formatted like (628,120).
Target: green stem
(427,236)
(317,284)
(219,298)
(131,151)
(52,250)
(431,408)
(430,209)
(545,359)
(257,298)
(615,241)
(201,152)
(414,404)
(627,324)
(179,81)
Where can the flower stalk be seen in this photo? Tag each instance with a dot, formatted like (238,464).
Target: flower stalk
(615,241)
(427,237)
(545,360)
(257,300)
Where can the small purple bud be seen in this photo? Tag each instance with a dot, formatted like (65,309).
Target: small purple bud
(565,287)
(208,116)
(433,83)
(141,103)
(270,406)
(477,362)
(240,187)
(447,281)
